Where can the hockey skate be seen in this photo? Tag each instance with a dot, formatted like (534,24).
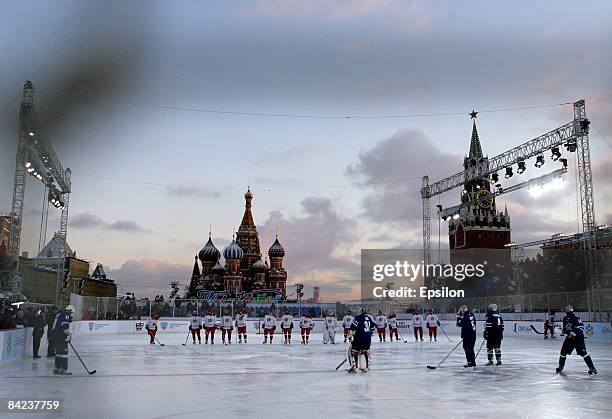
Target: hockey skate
(592,371)
(352,370)
(558,370)
(489,363)
(469,364)
(364,369)
(61,371)
(498,362)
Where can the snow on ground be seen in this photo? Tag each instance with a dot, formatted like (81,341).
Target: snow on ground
(138,380)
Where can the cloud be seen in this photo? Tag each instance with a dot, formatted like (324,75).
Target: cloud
(408,16)
(149,277)
(317,245)
(192,191)
(88,220)
(393,169)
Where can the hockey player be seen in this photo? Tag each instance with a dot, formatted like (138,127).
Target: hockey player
(417,325)
(241,325)
(432,322)
(287,327)
(573,329)
(549,324)
(269,327)
(210,326)
(361,329)
(60,333)
(493,334)
(381,325)
(393,327)
(467,322)
(306,326)
(347,321)
(329,334)
(226,327)
(152,328)
(195,326)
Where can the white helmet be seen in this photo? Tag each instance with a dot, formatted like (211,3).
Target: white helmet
(569,309)
(493,306)
(70,308)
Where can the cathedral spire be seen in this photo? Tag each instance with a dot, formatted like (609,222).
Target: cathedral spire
(475,148)
(196,268)
(247,218)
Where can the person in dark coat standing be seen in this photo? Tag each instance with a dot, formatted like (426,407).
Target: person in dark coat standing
(38,323)
(49,319)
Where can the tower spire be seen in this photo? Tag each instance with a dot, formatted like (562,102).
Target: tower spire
(475,148)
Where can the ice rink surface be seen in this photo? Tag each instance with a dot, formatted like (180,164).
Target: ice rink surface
(138,380)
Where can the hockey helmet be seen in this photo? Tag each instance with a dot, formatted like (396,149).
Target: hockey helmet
(493,307)
(349,312)
(569,309)
(430,311)
(463,308)
(70,308)
(194,313)
(416,311)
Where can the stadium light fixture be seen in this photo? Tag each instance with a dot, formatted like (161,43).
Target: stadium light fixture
(521,167)
(539,161)
(508,172)
(556,154)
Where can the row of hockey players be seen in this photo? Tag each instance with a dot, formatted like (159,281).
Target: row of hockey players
(573,329)
(431,322)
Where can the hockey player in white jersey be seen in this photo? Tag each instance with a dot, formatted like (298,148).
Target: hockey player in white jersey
(152,328)
(210,325)
(432,322)
(306,326)
(347,321)
(329,332)
(417,325)
(381,326)
(287,327)
(241,325)
(393,327)
(226,327)
(269,326)
(195,325)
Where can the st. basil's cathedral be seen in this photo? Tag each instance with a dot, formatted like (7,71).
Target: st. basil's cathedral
(244,270)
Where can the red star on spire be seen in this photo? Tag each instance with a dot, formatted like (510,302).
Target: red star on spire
(473,114)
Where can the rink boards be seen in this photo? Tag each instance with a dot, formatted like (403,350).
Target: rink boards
(593,330)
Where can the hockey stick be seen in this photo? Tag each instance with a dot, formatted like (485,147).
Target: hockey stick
(535,330)
(82,363)
(449,339)
(481,345)
(160,344)
(400,335)
(187,338)
(447,355)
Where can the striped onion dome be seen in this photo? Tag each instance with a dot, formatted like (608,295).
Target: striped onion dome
(276,250)
(209,252)
(233,251)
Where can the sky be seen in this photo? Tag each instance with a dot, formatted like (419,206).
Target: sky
(120,87)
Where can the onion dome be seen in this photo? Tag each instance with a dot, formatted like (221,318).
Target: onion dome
(233,251)
(209,252)
(218,268)
(259,266)
(276,250)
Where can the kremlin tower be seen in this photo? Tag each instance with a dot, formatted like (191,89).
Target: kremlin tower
(478,224)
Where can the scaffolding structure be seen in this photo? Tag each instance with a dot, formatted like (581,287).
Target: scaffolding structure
(36,157)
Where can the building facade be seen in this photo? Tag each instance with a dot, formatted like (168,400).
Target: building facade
(243,270)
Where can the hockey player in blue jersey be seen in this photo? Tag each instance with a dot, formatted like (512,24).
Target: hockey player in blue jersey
(467,322)
(362,329)
(60,334)
(573,329)
(493,334)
